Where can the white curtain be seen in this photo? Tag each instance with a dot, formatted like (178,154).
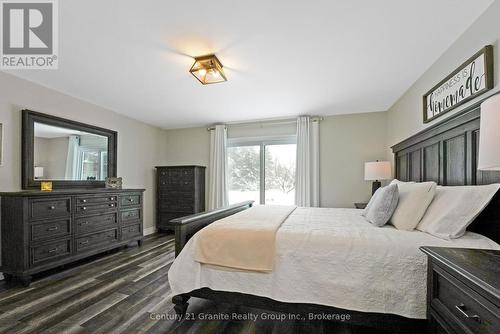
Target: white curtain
(307,172)
(72,158)
(217,186)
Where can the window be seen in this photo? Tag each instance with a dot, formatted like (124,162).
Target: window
(263,171)
(93,164)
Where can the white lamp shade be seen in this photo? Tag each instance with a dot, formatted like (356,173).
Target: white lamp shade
(489,135)
(38,172)
(378,170)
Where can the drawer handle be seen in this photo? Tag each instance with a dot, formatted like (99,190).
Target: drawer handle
(84,223)
(84,208)
(111,205)
(54,228)
(111,198)
(84,242)
(53,250)
(84,201)
(52,207)
(463,310)
(130,199)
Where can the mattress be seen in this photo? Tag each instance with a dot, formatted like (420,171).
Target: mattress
(332,257)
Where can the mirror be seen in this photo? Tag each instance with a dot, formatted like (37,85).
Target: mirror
(67,153)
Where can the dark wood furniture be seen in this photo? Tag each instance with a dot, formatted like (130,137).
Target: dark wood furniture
(43,230)
(446,153)
(463,290)
(360,205)
(29,118)
(180,192)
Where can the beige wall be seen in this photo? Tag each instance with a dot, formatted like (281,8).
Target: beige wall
(405,117)
(346,142)
(140,146)
(189,147)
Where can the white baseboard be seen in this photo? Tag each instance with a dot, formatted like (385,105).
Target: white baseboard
(150,230)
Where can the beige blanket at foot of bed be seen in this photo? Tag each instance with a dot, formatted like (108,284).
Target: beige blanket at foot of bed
(245,240)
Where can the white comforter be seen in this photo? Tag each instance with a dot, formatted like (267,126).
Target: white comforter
(332,257)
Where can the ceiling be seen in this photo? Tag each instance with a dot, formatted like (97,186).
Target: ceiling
(282,57)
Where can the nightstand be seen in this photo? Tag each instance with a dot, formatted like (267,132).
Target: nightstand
(360,205)
(463,290)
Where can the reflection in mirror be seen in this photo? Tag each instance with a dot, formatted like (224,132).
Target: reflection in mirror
(67,154)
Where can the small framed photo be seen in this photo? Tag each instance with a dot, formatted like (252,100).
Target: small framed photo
(46,186)
(113,182)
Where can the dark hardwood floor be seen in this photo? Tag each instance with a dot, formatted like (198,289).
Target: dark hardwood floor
(127,291)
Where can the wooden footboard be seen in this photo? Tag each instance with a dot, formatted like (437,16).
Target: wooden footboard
(396,323)
(187,226)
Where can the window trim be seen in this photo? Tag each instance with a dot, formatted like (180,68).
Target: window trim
(255,141)
(262,142)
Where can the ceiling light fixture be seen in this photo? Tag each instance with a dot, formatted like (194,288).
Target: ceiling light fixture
(208,70)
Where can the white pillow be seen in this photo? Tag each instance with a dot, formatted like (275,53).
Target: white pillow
(382,205)
(454,208)
(414,199)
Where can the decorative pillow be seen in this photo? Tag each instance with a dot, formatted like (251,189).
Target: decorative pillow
(370,202)
(455,208)
(382,205)
(414,199)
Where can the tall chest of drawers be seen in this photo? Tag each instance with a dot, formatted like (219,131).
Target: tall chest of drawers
(43,230)
(180,192)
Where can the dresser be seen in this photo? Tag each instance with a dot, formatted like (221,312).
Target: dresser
(463,291)
(180,192)
(43,230)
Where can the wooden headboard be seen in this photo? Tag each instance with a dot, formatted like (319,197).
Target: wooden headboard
(447,153)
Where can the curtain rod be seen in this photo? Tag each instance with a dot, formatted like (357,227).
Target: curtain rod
(264,123)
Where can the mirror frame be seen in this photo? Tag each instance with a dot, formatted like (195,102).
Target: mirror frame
(29,118)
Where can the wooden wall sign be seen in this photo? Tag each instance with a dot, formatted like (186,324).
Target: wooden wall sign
(470,80)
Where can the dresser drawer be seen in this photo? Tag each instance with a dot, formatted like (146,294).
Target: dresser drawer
(50,229)
(131,214)
(95,208)
(177,203)
(467,307)
(177,184)
(90,224)
(49,251)
(87,200)
(130,200)
(49,208)
(131,231)
(89,241)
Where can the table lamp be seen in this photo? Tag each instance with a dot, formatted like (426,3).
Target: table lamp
(376,171)
(38,172)
(489,135)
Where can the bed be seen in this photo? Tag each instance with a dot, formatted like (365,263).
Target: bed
(384,287)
